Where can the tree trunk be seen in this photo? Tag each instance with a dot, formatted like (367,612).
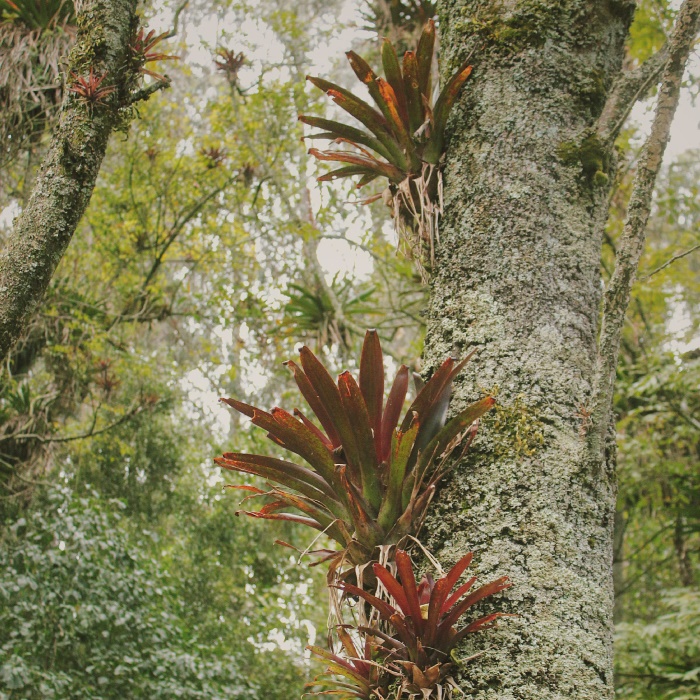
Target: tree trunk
(518,277)
(67,176)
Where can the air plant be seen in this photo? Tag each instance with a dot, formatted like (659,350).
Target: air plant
(371,475)
(230,63)
(410,639)
(90,88)
(214,155)
(311,312)
(405,137)
(142,52)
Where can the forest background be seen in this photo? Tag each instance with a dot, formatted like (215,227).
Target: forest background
(208,253)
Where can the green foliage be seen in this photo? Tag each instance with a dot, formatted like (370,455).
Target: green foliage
(652,22)
(311,313)
(88,611)
(661,660)
(38,14)
(658,520)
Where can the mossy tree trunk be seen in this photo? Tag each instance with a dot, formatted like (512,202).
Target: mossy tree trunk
(518,276)
(66,178)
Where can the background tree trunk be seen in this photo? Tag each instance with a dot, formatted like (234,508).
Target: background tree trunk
(518,276)
(67,176)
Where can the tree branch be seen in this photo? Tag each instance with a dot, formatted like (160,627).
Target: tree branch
(176,19)
(92,432)
(145,92)
(631,243)
(67,176)
(629,88)
(670,261)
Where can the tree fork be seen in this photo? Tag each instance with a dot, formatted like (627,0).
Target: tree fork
(66,178)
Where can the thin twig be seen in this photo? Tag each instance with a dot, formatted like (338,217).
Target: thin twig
(670,261)
(629,88)
(145,92)
(176,19)
(135,410)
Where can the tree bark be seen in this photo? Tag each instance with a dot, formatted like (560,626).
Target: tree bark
(518,277)
(67,176)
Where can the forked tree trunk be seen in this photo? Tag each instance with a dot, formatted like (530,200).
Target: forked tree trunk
(518,277)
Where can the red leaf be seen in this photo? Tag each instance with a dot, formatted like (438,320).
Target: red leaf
(479,594)
(392,586)
(458,569)
(383,608)
(293,475)
(392,72)
(458,594)
(429,396)
(313,428)
(477,625)
(358,416)
(437,598)
(314,401)
(329,395)
(372,380)
(392,412)
(289,517)
(404,567)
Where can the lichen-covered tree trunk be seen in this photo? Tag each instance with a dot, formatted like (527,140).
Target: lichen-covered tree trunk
(518,277)
(67,176)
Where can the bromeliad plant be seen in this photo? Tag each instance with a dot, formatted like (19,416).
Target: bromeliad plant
(410,638)
(142,52)
(371,474)
(90,89)
(405,138)
(34,36)
(311,312)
